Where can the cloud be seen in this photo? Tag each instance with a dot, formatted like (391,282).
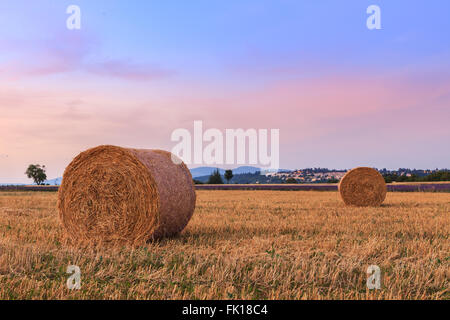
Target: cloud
(68,52)
(72,113)
(126,69)
(63,52)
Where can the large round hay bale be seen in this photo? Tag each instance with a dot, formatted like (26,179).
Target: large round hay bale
(363,187)
(111,193)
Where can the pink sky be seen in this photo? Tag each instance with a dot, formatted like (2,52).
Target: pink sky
(361,118)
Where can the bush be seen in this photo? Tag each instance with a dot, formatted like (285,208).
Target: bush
(291,180)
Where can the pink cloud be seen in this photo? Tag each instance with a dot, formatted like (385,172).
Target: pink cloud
(61,53)
(70,52)
(125,69)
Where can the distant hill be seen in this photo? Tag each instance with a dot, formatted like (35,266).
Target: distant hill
(249,174)
(246,178)
(207,171)
(196,172)
(54,182)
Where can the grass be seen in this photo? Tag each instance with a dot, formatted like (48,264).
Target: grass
(239,245)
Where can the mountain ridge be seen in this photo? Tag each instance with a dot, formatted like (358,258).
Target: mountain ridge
(206,171)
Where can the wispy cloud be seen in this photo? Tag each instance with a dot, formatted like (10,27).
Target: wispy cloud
(63,52)
(70,52)
(126,69)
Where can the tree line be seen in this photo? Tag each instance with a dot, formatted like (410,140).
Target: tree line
(441,175)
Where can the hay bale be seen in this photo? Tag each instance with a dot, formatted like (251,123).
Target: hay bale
(111,193)
(363,187)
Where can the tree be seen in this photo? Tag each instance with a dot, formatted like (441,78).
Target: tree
(215,178)
(228,175)
(442,175)
(291,180)
(37,173)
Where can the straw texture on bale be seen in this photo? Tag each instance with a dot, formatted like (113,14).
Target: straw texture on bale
(110,193)
(363,187)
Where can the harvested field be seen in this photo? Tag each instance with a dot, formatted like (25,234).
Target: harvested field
(239,245)
(438,186)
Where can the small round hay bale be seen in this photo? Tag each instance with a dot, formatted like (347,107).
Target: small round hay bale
(363,187)
(111,193)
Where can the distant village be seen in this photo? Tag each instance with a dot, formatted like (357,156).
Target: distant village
(324,175)
(317,175)
(254,175)
(308,175)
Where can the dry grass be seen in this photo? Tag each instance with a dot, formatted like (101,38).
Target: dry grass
(240,245)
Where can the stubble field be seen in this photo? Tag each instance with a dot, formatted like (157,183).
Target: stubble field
(239,245)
